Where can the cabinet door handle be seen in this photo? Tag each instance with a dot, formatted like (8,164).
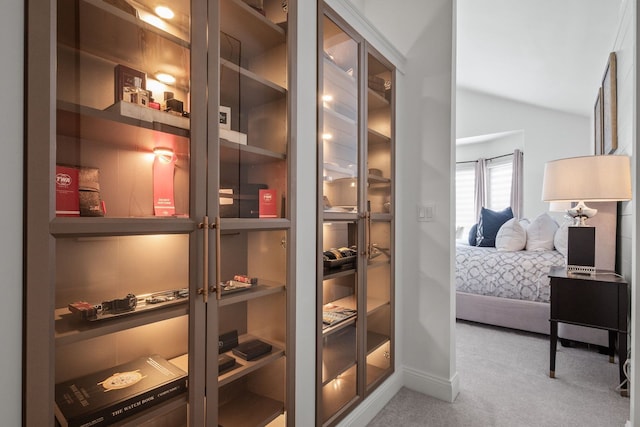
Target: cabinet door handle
(204,290)
(218,284)
(368,236)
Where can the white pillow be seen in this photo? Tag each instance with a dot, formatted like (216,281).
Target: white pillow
(540,233)
(561,238)
(512,236)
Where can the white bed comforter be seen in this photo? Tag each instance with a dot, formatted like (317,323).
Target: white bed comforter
(518,275)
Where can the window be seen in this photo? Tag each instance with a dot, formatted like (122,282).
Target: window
(497,192)
(499,183)
(465,197)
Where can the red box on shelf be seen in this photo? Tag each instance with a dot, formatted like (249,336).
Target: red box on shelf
(67,191)
(268,207)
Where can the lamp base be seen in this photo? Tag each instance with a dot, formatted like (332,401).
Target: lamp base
(581,270)
(581,250)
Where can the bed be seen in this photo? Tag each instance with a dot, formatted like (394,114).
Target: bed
(511,288)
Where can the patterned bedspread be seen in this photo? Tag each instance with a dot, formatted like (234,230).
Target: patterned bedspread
(517,275)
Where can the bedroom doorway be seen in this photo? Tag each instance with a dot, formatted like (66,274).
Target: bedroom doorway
(517,68)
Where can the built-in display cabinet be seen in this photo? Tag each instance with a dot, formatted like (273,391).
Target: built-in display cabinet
(355,289)
(158,273)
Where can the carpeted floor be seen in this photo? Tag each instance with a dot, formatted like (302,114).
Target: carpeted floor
(504,382)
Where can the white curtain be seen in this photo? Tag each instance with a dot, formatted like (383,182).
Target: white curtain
(516,184)
(481,186)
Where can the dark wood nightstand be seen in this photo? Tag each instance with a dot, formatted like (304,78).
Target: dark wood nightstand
(599,301)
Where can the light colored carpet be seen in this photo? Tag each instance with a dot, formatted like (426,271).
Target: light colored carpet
(504,381)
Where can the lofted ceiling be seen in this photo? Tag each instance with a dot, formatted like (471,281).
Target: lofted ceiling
(550,53)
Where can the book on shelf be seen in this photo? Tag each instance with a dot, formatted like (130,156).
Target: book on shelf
(110,395)
(334,314)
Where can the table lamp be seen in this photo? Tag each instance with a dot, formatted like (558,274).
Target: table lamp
(580,180)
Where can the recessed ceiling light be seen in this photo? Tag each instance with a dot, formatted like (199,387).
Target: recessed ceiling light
(164,12)
(166,78)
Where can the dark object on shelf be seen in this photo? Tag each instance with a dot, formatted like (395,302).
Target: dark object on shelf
(227,341)
(240,202)
(84,309)
(225,363)
(174,105)
(333,257)
(89,188)
(113,394)
(252,349)
(120,305)
(126,77)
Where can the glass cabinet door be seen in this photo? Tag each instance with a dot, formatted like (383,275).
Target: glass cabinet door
(251,201)
(123,230)
(380,185)
(340,230)
(355,293)
(340,119)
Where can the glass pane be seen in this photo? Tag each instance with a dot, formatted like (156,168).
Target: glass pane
(339,316)
(253,109)
(340,119)
(379,291)
(120,301)
(379,96)
(123,83)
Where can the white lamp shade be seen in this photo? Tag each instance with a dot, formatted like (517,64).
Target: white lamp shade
(588,178)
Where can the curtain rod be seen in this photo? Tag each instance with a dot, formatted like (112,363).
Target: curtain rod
(489,159)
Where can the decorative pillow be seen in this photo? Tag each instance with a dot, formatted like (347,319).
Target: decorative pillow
(489,224)
(512,236)
(561,238)
(459,231)
(541,232)
(472,235)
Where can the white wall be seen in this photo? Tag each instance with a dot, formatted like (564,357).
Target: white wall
(304,138)
(548,135)
(424,174)
(11,84)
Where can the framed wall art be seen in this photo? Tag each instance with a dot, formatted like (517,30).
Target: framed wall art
(597,124)
(609,107)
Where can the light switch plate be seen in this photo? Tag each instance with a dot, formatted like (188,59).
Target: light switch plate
(426,212)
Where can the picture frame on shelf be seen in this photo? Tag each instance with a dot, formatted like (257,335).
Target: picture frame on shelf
(609,107)
(597,124)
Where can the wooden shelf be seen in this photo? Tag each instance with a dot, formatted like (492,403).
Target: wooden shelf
(249,410)
(376,101)
(245,367)
(106,226)
(375,340)
(115,35)
(373,304)
(377,138)
(101,125)
(230,152)
(375,179)
(337,395)
(256,33)
(259,291)
(71,329)
(345,270)
(240,86)
(254,224)
(338,353)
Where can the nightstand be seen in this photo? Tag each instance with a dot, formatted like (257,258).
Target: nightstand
(596,301)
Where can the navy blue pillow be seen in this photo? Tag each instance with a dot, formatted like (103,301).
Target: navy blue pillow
(472,235)
(489,224)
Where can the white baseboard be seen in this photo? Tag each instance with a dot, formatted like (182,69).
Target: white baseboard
(367,410)
(440,388)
